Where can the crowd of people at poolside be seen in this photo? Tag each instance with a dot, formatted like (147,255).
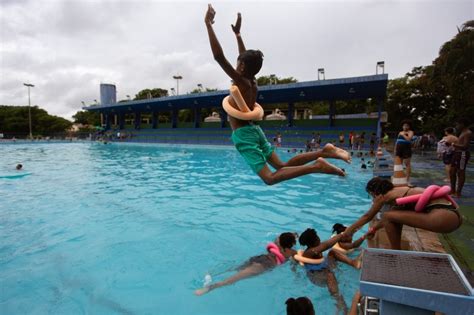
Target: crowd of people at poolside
(451,149)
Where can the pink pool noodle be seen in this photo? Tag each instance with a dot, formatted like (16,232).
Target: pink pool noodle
(438,193)
(425,197)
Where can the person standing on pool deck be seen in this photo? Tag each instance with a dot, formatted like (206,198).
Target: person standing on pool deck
(403,146)
(460,158)
(249,138)
(258,264)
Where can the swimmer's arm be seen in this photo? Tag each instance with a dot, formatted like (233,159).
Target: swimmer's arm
(369,215)
(327,244)
(353,245)
(236,29)
(217,49)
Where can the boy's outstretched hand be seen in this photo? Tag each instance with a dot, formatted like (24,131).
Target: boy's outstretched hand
(236,28)
(210,14)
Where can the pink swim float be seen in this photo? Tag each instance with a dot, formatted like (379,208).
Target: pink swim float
(273,248)
(431,192)
(425,197)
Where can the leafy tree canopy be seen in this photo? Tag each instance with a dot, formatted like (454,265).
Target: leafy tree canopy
(150,93)
(14,119)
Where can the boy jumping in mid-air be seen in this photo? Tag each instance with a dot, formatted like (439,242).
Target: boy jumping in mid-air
(248,138)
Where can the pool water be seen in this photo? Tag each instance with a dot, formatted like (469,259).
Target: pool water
(135,229)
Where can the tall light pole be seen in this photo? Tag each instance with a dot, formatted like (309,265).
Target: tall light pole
(29,85)
(177,78)
(321,72)
(380,65)
(273,79)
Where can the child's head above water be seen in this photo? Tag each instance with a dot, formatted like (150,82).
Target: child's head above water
(250,62)
(338,228)
(309,238)
(299,306)
(287,240)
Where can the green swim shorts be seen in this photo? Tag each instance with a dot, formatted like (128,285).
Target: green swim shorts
(252,144)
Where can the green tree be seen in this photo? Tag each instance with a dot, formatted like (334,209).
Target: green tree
(434,96)
(150,93)
(273,79)
(198,90)
(14,119)
(87,118)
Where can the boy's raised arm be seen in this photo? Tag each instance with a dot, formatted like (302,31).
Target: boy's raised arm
(236,30)
(216,47)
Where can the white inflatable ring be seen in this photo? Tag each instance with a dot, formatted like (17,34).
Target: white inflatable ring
(299,257)
(244,113)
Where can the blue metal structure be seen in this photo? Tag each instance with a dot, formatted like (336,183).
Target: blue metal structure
(364,87)
(415,283)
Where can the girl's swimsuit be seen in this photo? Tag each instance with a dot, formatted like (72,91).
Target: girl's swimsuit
(433,204)
(318,267)
(403,149)
(265,260)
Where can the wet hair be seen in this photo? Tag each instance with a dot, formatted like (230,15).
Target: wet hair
(252,59)
(299,306)
(19,166)
(309,238)
(408,122)
(379,186)
(449,130)
(363,166)
(287,240)
(338,228)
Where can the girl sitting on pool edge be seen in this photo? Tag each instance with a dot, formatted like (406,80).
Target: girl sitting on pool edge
(439,215)
(259,264)
(249,138)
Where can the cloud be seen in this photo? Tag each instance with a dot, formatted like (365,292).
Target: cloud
(67,48)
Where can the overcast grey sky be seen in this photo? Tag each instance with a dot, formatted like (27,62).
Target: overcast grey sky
(67,48)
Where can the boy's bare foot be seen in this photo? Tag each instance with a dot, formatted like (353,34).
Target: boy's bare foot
(202,291)
(323,166)
(337,153)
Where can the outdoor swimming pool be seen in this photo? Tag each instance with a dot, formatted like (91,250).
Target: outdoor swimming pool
(134,229)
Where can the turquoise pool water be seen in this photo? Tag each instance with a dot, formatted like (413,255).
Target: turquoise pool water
(134,229)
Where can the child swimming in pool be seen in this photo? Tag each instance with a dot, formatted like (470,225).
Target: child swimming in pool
(249,138)
(258,264)
(322,274)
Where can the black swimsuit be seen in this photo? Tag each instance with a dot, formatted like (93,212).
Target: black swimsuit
(428,207)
